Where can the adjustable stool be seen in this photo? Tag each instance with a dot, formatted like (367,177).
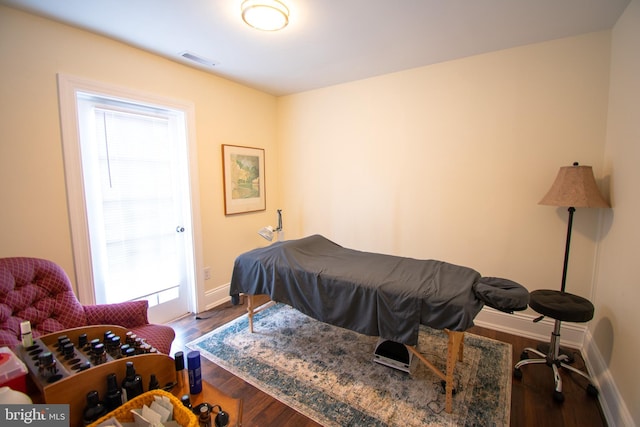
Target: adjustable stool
(563,307)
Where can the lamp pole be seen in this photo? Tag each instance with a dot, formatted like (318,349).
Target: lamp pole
(566,249)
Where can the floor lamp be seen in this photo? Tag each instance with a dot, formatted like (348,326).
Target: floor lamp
(574,187)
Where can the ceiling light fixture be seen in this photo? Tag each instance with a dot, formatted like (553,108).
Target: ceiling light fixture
(265,15)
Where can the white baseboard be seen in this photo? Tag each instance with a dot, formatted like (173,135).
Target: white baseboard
(572,334)
(614,408)
(217,296)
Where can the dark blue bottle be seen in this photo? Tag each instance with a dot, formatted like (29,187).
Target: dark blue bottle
(195,373)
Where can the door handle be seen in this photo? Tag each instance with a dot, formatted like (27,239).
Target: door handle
(180,229)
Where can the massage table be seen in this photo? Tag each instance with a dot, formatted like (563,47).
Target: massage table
(374,294)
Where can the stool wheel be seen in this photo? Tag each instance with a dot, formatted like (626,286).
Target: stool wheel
(592,390)
(517,373)
(558,396)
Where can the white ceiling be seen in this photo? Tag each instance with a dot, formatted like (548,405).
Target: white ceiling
(329,42)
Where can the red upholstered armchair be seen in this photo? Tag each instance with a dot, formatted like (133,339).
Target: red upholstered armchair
(40,291)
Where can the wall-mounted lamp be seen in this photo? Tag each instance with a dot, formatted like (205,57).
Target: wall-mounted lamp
(265,15)
(267,232)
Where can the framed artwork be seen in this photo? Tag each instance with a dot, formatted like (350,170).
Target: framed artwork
(243,180)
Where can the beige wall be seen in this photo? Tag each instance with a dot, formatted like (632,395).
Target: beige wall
(617,315)
(449,161)
(34,214)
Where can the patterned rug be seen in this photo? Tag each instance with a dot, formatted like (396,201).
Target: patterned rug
(327,373)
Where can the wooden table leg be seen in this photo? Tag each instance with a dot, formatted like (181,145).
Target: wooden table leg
(454,353)
(250,312)
(455,349)
(424,360)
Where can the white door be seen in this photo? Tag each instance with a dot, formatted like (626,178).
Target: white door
(135,173)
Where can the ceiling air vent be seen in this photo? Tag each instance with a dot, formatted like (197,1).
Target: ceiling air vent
(199,59)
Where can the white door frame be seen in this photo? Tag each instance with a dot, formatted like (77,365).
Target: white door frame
(68,86)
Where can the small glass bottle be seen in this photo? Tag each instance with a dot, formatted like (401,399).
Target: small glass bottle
(131,339)
(94,342)
(47,365)
(62,343)
(108,341)
(204,420)
(99,355)
(82,341)
(153,383)
(60,339)
(94,409)
(186,401)
(69,351)
(115,347)
(123,350)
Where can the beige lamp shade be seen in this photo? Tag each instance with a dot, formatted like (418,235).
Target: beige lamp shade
(575,186)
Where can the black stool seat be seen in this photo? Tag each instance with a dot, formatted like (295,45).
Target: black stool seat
(561,305)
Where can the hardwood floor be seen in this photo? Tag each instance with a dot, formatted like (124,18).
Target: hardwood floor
(531,397)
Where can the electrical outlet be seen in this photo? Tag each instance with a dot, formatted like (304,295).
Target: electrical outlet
(207,273)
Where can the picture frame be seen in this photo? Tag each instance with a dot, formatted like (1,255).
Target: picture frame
(243,179)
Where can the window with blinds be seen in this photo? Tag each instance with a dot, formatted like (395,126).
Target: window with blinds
(132,191)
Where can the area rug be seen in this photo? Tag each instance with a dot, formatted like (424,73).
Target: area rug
(327,373)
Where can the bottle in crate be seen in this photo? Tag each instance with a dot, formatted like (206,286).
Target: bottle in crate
(94,409)
(113,398)
(132,383)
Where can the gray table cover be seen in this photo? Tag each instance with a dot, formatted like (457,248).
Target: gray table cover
(374,294)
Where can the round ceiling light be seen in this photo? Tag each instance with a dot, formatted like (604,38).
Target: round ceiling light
(266,15)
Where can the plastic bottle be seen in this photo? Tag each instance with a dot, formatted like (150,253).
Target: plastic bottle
(27,336)
(113,398)
(131,384)
(195,372)
(94,409)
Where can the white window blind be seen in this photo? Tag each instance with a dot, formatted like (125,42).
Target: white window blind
(131,213)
